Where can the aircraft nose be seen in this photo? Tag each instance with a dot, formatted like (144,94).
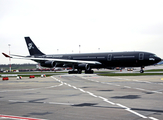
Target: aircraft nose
(158,59)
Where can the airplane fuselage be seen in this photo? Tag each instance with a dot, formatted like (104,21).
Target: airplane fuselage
(109,59)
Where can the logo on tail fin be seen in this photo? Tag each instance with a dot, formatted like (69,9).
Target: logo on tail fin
(30,46)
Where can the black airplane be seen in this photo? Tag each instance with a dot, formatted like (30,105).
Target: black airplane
(88,61)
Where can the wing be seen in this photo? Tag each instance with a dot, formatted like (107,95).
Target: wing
(63,61)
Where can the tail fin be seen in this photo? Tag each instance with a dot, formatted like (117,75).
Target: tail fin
(33,50)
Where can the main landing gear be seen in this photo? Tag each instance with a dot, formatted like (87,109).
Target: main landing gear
(89,71)
(141,69)
(79,71)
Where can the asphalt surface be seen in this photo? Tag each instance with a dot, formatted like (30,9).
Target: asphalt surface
(82,97)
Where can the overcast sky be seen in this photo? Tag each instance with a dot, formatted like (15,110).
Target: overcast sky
(111,25)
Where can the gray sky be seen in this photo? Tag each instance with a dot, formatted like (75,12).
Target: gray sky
(111,25)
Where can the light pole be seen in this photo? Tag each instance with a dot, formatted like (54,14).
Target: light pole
(99,49)
(79,48)
(9,59)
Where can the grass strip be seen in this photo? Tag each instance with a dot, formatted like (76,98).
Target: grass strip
(130,74)
(154,70)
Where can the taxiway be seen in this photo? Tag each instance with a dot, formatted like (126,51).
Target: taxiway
(82,97)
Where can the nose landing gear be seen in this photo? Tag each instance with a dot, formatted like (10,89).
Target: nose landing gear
(141,69)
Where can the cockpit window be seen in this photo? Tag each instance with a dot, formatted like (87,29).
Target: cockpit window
(153,55)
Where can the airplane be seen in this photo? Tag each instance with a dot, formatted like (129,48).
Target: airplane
(88,61)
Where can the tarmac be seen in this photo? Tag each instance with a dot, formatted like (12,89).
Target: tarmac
(82,97)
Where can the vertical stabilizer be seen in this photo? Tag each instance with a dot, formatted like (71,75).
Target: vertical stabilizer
(33,50)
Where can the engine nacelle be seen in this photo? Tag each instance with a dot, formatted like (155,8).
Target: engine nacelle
(84,66)
(49,64)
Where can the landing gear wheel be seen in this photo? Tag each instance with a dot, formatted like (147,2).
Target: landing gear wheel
(79,71)
(89,71)
(72,72)
(141,71)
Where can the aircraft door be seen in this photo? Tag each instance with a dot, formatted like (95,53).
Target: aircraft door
(141,56)
(109,57)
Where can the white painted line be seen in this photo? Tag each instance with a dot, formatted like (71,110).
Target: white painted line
(109,102)
(53,86)
(65,83)
(142,81)
(110,83)
(153,118)
(88,92)
(102,97)
(74,87)
(60,103)
(140,89)
(17,101)
(60,84)
(147,82)
(122,106)
(103,82)
(136,113)
(157,92)
(149,90)
(69,85)
(127,87)
(96,81)
(81,90)
(136,80)
(93,95)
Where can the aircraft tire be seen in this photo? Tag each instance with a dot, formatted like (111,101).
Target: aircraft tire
(141,71)
(72,72)
(89,71)
(79,71)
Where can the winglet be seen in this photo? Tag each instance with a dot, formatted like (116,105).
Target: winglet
(6,55)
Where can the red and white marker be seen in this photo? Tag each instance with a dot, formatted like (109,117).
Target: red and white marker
(18,117)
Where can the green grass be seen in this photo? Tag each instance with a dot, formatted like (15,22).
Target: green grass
(154,70)
(129,74)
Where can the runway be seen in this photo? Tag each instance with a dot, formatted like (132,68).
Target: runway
(82,97)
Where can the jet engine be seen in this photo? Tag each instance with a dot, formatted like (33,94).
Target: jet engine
(83,66)
(49,64)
